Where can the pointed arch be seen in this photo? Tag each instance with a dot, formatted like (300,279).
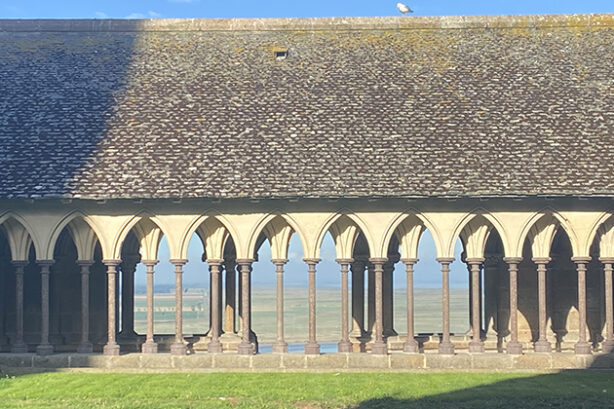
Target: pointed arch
(259,228)
(20,236)
(85,234)
(278,232)
(541,235)
(474,230)
(354,218)
(344,232)
(150,236)
(421,218)
(216,221)
(607,219)
(605,234)
(408,233)
(562,221)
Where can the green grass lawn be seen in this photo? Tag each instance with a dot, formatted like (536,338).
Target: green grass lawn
(307,391)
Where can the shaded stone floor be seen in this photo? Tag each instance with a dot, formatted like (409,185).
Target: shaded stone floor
(351,362)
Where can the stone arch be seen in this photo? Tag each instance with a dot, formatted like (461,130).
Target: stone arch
(563,222)
(278,232)
(20,237)
(149,231)
(357,220)
(408,233)
(474,230)
(279,219)
(84,231)
(211,216)
(605,233)
(541,236)
(345,233)
(421,218)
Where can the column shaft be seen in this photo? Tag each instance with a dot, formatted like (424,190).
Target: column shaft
(410,345)
(358,298)
(379,346)
(215,345)
(312,346)
(45,348)
(230,284)
(370,300)
(445,345)
(245,347)
(85,347)
(542,344)
(178,347)
(280,345)
(388,299)
(608,343)
(582,346)
(19,346)
(513,346)
(476,344)
(150,346)
(344,344)
(128,268)
(111,348)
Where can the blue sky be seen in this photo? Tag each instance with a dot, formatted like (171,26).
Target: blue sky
(285,8)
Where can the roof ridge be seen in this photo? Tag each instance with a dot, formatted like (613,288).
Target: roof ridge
(309,24)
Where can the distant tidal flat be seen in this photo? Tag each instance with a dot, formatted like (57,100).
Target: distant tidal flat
(328,312)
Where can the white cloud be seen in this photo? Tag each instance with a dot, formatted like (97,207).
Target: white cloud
(149,14)
(100,14)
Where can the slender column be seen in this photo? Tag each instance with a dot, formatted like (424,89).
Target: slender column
(178,347)
(582,346)
(344,345)
(542,344)
(45,348)
(280,345)
(370,299)
(19,346)
(128,268)
(150,346)
(230,284)
(608,343)
(379,347)
(445,345)
(358,298)
(513,346)
(312,347)
(245,347)
(388,297)
(411,345)
(476,344)
(111,348)
(85,347)
(215,346)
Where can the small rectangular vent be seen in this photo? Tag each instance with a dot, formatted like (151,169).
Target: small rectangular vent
(280,53)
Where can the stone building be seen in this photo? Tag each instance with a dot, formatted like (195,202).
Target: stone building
(495,130)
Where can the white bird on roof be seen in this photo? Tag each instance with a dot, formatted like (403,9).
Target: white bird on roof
(404,8)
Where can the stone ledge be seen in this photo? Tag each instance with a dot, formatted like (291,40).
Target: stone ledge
(350,362)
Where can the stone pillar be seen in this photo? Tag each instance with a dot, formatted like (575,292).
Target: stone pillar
(215,346)
(513,346)
(358,298)
(111,348)
(445,345)
(230,284)
(178,347)
(19,346)
(476,344)
(608,343)
(280,346)
(344,344)
(388,297)
(312,347)
(245,347)
(370,300)
(542,344)
(128,268)
(85,346)
(411,345)
(45,348)
(582,347)
(150,346)
(379,347)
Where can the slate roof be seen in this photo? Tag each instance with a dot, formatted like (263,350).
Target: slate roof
(360,107)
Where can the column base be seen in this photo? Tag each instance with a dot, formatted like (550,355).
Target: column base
(608,345)
(446,348)
(411,346)
(379,348)
(476,347)
(85,348)
(312,348)
(542,346)
(44,349)
(111,349)
(149,347)
(215,347)
(22,348)
(179,348)
(245,348)
(583,348)
(513,348)
(280,348)
(344,346)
